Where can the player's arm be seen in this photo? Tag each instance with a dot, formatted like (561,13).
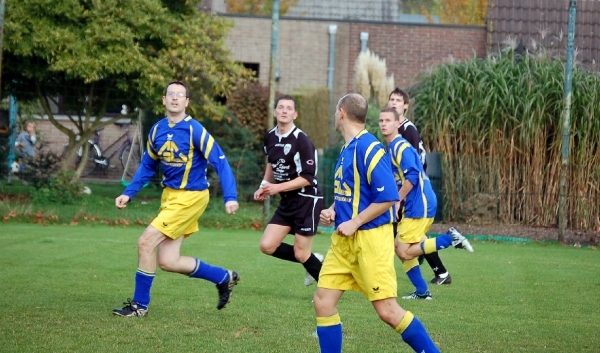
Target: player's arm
(259,194)
(408,160)
(216,157)
(407,186)
(327,215)
(145,171)
(411,134)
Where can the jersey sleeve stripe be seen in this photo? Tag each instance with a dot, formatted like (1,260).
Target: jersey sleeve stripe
(356,192)
(207,140)
(374,161)
(368,153)
(150,150)
(188,163)
(152,137)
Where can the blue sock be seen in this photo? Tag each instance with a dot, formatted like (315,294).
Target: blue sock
(435,244)
(443,241)
(414,334)
(329,330)
(208,272)
(143,283)
(416,278)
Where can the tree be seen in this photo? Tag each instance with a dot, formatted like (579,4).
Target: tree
(91,56)
(258,7)
(463,12)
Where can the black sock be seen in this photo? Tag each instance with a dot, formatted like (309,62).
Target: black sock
(285,252)
(313,266)
(436,264)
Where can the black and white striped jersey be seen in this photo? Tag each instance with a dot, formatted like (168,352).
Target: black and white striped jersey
(292,155)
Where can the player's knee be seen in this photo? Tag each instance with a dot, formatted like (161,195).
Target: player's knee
(166,264)
(144,245)
(403,254)
(301,254)
(267,248)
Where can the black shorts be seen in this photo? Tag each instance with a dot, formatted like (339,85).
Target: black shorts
(299,212)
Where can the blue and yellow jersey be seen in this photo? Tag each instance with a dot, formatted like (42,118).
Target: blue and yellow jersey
(363,176)
(184,151)
(406,165)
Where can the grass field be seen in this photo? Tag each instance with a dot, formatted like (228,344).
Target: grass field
(59,284)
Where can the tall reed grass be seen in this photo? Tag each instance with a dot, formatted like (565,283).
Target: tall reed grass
(497,122)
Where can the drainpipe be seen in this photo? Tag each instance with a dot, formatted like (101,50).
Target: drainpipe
(332,32)
(364,38)
(330,69)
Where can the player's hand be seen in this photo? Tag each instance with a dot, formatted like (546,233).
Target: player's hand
(121,201)
(347,228)
(231,207)
(327,216)
(259,195)
(270,189)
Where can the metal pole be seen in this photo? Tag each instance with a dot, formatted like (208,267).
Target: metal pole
(12,128)
(1,37)
(272,80)
(566,123)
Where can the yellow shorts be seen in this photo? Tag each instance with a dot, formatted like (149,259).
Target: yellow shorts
(363,262)
(180,211)
(413,230)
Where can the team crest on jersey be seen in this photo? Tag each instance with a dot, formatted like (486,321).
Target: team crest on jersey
(287,148)
(170,151)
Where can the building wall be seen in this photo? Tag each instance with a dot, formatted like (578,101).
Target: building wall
(303,48)
(410,49)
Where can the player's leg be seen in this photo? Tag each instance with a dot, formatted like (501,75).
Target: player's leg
(441,275)
(144,276)
(377,277)
(410,234)
(177,220)
(452,238)
(335,278)
(312,262)
(406,324)
(272,243)
(306,221)
(329,324)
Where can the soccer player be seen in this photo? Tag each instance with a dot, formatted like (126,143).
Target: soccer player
(399,100)
(183,148)
(291,172)
(361,255)
(420,205)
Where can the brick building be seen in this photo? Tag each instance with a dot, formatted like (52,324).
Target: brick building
(304,47)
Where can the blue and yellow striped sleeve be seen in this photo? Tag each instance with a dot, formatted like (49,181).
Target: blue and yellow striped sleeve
(146,170)
(211,150)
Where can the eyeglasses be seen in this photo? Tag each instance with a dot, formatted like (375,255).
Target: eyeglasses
(171,94)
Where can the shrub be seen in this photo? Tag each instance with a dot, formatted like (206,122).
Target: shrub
(312,105)
(250,104)
(245,158)
(63,189)
(41,168)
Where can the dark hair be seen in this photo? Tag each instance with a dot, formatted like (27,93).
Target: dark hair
(390,110)
(356,106)
(401,92)
(285,97)
(177,82)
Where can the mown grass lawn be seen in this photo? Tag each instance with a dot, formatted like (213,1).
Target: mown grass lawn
(58,285)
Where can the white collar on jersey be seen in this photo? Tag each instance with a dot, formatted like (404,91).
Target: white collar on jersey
(286,134)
